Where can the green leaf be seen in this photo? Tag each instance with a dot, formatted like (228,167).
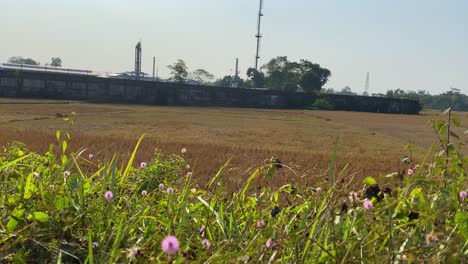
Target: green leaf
(443,130)
(415,192)
(64,159)
(438,124)
(461,218)
(456,121)
(275,197)
(11,225)
(41,217)
(57,135)
(64,146)
(18,213)
(369,181)
(30,188)
(61,202)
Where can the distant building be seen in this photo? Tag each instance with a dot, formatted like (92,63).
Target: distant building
(131,75)
(38,68)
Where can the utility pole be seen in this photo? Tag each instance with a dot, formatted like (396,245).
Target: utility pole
(258,36)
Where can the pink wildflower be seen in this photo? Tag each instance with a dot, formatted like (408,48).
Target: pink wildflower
(170,245)
(187,167)
(91,156)
(261,223)
(95,244)
(206,243)
(143,165)
(108,195)
(410,172)
(269,243)
(463,195)
(202,230)
(134,252)
(183,150)
(161,186)
(367,204)
(189,174)
(66,174)
(144,193)
(429,238)
(318,189)
(170,190)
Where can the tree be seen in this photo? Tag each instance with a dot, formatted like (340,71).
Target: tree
(202,76)
(347,91)
(313,77)
(179,70)
(224,82)
(256,77)
(56,62)
(230,81)
(21,60)
(290,76)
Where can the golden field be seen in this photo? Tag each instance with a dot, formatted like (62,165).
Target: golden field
(371,144)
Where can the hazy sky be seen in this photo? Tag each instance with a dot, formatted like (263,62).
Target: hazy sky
(407,44)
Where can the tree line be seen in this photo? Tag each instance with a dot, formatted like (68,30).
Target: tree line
(278,74)
(452,98)
(54,61)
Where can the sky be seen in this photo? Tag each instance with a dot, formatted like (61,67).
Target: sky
(405,44)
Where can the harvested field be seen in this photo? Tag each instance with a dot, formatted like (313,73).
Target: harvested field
(372,144)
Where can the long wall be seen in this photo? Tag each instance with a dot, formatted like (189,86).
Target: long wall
(22,84)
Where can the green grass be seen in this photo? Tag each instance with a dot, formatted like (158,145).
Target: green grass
(49,217)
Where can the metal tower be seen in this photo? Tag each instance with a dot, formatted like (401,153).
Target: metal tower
(138,60)
(258,36)
(366,90)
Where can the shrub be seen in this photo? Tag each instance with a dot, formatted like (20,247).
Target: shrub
(322,104)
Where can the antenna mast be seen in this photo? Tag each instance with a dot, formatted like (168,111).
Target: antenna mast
(258,36)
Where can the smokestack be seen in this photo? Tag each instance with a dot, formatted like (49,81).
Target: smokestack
(154,65)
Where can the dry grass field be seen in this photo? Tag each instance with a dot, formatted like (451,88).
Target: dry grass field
(372,144)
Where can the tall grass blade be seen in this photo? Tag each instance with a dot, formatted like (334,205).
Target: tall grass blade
(213,180)
(130,161)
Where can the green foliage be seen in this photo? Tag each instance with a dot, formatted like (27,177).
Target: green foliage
(179,71)
(452,98)
(21,60)
(256,77)
(290,76)
(62,218)
(56,62)
(231,81)
(202,76)
(322,104)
